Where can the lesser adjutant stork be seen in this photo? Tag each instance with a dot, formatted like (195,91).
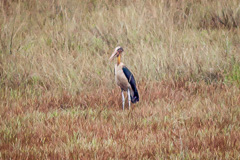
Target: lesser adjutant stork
(124,79)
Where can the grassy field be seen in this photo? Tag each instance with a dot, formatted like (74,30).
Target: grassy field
(58,98)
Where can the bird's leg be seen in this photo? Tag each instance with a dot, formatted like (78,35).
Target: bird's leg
(123,100)
(129,98)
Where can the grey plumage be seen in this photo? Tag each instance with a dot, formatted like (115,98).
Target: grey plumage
(124,78)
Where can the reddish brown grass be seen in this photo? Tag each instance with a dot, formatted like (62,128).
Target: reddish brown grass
(183,119)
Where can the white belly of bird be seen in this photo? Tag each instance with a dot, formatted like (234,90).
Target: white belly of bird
(121,79)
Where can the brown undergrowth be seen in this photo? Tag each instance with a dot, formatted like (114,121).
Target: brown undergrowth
(171,92)
(173,119)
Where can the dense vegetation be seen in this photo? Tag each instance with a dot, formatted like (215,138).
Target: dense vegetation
(58,98)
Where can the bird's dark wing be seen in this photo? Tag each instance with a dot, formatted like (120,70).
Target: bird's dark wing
(131,80)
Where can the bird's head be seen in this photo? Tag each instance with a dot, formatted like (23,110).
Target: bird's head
(118,50)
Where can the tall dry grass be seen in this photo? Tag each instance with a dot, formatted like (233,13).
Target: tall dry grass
(58,98)
(66,44)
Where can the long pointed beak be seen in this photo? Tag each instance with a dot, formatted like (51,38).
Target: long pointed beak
(113,55)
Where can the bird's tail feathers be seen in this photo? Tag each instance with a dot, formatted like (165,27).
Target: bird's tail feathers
(134,96)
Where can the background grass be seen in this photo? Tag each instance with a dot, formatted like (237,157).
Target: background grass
(58,98)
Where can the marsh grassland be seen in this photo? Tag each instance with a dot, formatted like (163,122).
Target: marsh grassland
(58,98)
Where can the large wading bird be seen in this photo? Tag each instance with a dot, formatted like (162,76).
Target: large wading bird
(124,79)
